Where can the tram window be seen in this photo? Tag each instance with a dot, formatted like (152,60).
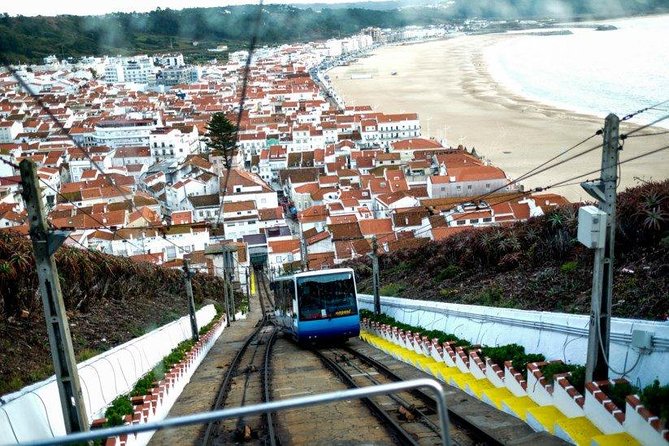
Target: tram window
(283,286)
(326,296)
(284,294)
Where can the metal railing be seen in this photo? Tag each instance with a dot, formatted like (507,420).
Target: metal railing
(274,406)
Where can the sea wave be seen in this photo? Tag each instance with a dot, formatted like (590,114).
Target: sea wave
(591,72)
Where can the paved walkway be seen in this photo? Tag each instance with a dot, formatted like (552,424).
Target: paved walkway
(200,394)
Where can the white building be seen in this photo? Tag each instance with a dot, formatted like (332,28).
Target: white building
(124,132)
(244,186)
(240,218)
(129,241)
(169,60)
(137,69)
(9,130)
(172,143)
(396,127)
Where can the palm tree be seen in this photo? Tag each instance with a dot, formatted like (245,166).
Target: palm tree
(221,136)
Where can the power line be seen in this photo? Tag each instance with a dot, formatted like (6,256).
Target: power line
(519,196)
(242,101)
(643,110)
(79,209)
(83,211)
(540,168)
(9,163)
(563,183)
(648,134)
(652,152)
(571,158)
(638,129)
(62,128)
(87,248)
(59,124)
(532,172)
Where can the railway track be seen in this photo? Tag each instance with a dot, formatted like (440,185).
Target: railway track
(464,426)
(246,382)
(269,367)
(410,417)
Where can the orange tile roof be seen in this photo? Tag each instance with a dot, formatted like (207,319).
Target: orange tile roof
(283,246)
(416,144)
(443,232)
(376,226)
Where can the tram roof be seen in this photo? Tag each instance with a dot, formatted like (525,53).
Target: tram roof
(320,272)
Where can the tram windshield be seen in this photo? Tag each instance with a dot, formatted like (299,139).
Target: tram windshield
(327,296)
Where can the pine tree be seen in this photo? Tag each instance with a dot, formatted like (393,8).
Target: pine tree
(221,136)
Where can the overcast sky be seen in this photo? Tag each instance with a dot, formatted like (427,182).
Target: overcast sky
(92,7)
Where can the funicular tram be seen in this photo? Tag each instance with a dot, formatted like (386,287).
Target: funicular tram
(317,306)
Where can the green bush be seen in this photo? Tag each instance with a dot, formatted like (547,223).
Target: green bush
(391,289)
(448,292)
(618,392)
(514,353)
(119,408)
(568,267)
(205,328)
(431,334)
(503,353)
(144,384)
(490,296)
(177,354)
(520,363)
(577,378)
(122,406)
(656,399)
(448,273)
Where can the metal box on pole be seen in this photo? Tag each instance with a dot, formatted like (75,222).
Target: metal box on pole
(592,227)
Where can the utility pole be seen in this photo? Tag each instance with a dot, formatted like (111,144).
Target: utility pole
(231,293)
(60,341)
(375,275)
(226,298)
(604,190)
(248,287)
(191,303)
(230,275)
(304,251)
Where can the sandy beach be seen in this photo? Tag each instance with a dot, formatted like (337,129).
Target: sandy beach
(449,85)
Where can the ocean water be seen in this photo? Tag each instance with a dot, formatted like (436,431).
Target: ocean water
(592,72)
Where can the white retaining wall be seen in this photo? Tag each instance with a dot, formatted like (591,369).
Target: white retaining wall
(35,412)
(555,335)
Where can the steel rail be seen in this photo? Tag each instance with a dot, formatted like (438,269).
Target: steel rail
(271,434)
(388,422)
(255,409)
(458,420)
(266,384)
(227,381)
(399,400)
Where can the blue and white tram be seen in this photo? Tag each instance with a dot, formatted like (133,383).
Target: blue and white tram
(318,306)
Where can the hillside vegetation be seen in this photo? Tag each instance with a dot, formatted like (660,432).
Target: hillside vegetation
(109,300)
(166,30)
(539,264)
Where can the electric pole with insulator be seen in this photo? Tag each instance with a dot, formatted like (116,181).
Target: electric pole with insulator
(304,251)
(376,282)
(188,275)
(604,190)
(45,244)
